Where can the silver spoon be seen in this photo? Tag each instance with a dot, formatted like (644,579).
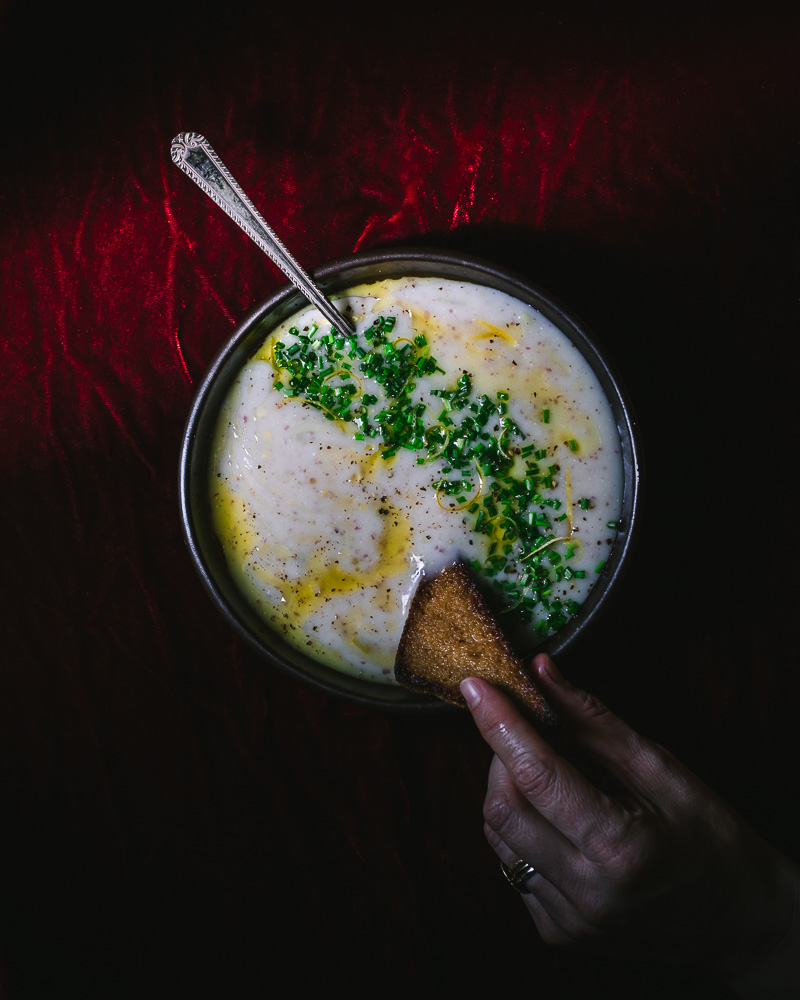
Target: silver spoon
(197,159)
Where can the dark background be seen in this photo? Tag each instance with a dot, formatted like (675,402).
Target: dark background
(178,818)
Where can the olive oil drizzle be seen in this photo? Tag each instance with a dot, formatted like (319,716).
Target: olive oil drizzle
(488,469)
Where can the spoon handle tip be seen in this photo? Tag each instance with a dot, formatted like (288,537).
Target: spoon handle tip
(193,154)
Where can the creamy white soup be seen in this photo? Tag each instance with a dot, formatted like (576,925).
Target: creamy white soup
(459,423)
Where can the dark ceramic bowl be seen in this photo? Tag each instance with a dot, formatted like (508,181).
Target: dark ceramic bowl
(333,277)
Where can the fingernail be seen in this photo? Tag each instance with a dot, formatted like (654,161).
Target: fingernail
(471,691)
(550,670)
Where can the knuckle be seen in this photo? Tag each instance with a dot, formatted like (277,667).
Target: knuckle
(660,767)
(626,858)
(620,846)
(498,812)
(494,728)
(625,870)
(590,706)
(535,776)
(615,843)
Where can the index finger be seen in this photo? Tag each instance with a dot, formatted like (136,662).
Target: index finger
(584,814)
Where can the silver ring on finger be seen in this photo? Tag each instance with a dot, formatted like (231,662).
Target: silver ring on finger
(517,875)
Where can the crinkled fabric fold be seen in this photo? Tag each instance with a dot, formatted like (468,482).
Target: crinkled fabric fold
(171,802)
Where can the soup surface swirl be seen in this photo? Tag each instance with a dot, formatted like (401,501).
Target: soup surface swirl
(459,424)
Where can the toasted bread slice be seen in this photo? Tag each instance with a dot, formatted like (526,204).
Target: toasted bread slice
(450,634)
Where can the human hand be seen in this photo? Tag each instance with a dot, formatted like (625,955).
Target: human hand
(633,853)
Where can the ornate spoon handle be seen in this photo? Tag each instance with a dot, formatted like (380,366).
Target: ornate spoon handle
(197,159)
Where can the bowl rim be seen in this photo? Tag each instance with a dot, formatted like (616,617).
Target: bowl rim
(337,275)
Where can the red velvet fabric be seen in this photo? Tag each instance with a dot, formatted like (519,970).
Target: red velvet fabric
(179,819)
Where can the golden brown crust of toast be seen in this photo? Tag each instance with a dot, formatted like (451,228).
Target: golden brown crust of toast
(450,634)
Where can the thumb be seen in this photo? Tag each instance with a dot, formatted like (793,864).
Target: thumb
(598,733)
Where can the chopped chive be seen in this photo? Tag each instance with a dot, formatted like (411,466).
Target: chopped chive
(471,433)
